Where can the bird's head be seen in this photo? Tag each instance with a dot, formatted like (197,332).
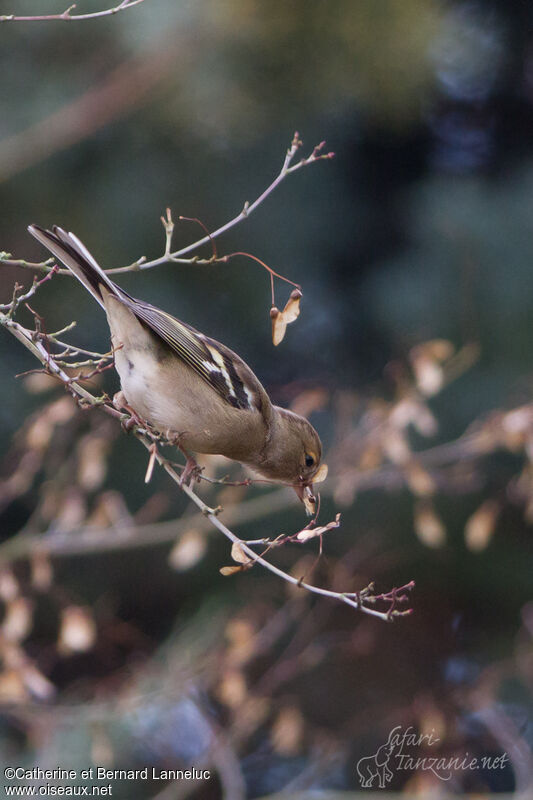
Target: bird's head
(293,456)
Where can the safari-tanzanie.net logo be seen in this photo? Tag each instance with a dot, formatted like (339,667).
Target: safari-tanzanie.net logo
(408,751)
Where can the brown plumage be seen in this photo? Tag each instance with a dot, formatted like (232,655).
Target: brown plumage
(191,387)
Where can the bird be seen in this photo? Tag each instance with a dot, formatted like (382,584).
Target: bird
(192,389)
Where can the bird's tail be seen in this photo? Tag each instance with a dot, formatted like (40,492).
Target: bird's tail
(75,256)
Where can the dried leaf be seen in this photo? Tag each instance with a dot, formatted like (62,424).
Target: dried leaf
(188,550)
(77,633)
(411,411)
(311,533)
(291,312)
(371,457)
(12,687)
(238,554)
(41,571)
(232,690)
(280,319)
(239,631)
(287,732)
(279,326)
(92,466)
(427,360)
(429,375)
(240,634)
(72,510)
(480,526)
(436,349)
(424,422)
(520,420)
(62,410)
(18,619)
(395,446)
(308,533)
(231,570)
(9,587)
(428,525)
(419,480)
(110,509)
(39,433)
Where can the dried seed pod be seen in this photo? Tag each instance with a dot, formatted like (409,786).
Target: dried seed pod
(92,466)
(395,446)
(238,554)
(480,526)
(41,571)
(280,319)
(419,480)
(18,619)
(226,571)
(77,633)
(188,550)
(427,360)
(287,732)
(12,687)
(232,691)
(279,326)
(428,526)
(9,587)
(312,533)
(291,312)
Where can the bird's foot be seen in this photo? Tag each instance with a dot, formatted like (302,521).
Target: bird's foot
(176,439)
(119,400)
(128,423)
(191,472)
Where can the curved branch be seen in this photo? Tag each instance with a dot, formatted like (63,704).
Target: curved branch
(178,255)
(33,341)
(66,15)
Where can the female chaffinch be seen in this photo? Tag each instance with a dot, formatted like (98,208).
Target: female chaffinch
(194,390)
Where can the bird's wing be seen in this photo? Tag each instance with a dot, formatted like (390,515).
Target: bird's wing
(222,369)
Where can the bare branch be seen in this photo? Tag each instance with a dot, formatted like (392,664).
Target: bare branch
(178,256)
(248,208)
(68,16)
(36,343)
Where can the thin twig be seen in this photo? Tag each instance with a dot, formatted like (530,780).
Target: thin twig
(248,208)
(35,345)
(178,255)
(68,16)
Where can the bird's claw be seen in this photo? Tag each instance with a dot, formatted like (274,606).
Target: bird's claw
(131,419)
(191,472)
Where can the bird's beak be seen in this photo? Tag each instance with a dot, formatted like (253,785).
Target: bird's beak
(306,495)
(306,492)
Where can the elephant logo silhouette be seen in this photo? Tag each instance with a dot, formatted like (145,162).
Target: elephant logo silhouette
(377,766)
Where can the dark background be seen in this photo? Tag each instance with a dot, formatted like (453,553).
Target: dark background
(420,228)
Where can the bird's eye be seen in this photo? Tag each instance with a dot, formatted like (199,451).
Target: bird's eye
(309,461)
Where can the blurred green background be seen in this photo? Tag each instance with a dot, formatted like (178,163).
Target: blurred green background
(419,228)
